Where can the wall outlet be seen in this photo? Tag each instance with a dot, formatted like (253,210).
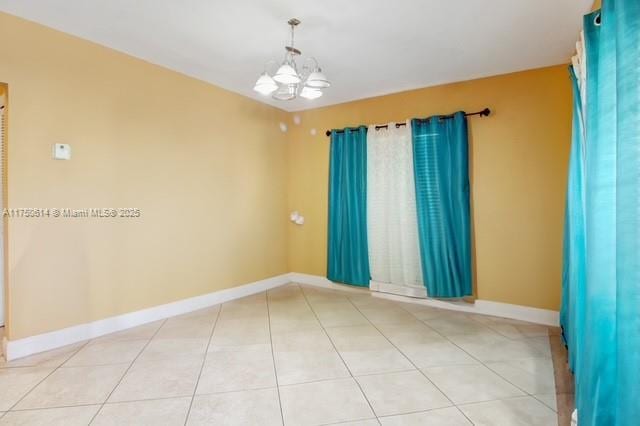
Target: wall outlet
(61,151)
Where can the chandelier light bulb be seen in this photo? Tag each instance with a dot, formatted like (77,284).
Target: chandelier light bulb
(286,74)
(285,92)
(310,93)
(318,80)
(265,85)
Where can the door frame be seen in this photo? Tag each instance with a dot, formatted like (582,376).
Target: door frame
(4,286)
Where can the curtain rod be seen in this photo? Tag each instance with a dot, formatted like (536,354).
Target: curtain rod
(484,113)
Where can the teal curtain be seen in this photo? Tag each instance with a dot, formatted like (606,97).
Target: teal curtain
(348,257)
(441,169)
(628,210)
(574,248)
(607,355)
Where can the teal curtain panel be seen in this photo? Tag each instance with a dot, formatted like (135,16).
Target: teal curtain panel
(605,339)
(348,257)
(574,247)
(628,210)
(441,169)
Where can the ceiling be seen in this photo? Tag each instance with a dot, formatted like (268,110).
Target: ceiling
(366,47)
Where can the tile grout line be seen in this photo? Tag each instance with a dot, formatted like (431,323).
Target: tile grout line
(421,411)
(499,333)
(453,343)
(481,362)
(313,381)
(404,355)
(427,411)
(338,352)
(273,357)
(204,360)
(97,404)
(491,328)
(45,378)
(509,398)
(126,371)
(348,422)
(510,382)
(556,410)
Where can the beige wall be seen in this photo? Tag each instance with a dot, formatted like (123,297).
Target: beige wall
(518,173)
(206,167)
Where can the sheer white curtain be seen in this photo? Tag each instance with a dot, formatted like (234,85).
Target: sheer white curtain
(579,62)
(394,251)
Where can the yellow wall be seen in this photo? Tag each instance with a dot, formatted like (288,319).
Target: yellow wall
(206,167)
(518,173)
(215,178)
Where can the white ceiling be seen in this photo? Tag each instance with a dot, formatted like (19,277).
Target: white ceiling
(366,47)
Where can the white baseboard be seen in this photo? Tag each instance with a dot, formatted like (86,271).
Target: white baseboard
(482,307)
(318,281)
(14,349)
(43,342)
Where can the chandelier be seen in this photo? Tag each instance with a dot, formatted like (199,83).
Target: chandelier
(288,83)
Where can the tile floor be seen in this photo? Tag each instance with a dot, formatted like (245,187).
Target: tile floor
(295,355)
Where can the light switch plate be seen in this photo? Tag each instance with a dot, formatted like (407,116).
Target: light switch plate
(62,151)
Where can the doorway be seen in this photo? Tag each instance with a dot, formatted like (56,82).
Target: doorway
(3,141)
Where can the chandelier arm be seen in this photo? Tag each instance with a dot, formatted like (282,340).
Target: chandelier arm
(308,70)
(315,61)
(269,63)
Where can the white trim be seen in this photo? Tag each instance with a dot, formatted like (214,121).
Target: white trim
(55,339)
(482,307)
(318,281)
(14,349)
(400,290)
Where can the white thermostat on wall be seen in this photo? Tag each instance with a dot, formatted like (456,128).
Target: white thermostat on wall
(61,151)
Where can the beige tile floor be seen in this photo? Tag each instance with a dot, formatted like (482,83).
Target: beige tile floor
(295,355)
